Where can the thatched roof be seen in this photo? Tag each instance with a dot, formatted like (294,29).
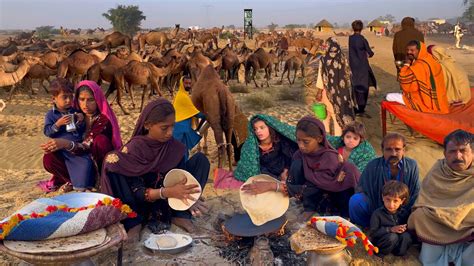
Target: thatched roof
(376,23)
(324,23)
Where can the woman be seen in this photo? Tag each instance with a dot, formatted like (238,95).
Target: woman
(317,170)
(135,173)
(102,135)
(353,146)
(334,80)
(362,74)
(267,150)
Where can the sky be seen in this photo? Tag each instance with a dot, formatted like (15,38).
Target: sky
(29,14)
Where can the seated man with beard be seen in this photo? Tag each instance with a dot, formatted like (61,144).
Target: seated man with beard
(422,82)
(443,214)
(393,165)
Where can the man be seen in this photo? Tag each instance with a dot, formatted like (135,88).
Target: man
(393,165)
(401,38)
(443,216)
(458,34)
(422,81)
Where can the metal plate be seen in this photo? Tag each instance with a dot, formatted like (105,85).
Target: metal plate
(241,225)
(183,243)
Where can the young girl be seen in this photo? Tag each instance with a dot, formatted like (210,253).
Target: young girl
(317,170)
(135,173)
(388,224)
(353,146)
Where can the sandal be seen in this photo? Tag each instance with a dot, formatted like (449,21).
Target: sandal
(66,188)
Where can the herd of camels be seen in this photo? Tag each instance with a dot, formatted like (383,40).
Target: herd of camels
(156,60)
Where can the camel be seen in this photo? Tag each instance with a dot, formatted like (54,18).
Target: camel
(230,63)
(38,72)
(293,63)
(196,63)
(210,96)
(113,40)
(260,59)
(157,38)
(77,65)
(205,37)
(137,73)
(12,78)
(64,48)
(275,61)
(25,35)
(51,59)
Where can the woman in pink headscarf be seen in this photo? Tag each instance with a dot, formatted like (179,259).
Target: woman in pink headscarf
(102,135)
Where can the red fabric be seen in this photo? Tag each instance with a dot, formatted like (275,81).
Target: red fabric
(435,126)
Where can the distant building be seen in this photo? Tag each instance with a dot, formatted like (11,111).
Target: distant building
(438,21)
(324,26)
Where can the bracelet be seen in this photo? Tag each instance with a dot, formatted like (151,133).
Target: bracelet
(278,186)
(161,193)
(73,145)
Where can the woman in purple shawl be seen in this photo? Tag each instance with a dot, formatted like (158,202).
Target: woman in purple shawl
(135,173)
(102,135)
(319,171)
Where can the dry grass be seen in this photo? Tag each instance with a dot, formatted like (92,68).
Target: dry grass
(291,94)
(259,101)
(237,88)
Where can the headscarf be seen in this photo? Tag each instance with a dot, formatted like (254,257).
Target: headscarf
(142,155)
(249,163)
(183,104)
(322,167)
(455,78)
(104,108)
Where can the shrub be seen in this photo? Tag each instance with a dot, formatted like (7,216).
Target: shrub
(259,101)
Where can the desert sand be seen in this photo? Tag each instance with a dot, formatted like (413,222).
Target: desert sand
(21,125)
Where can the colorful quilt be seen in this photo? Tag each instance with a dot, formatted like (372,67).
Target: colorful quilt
(48,219)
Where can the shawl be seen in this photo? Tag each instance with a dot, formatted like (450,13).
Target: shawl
(444,211)
(248,164)
(455,78)
(336,76)
(323,167)
(360,156)
(104,109)
(423,85)
(142,155)
(183,104)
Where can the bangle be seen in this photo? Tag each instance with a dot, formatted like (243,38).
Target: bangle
(72,146)
(161,193)
(278,186)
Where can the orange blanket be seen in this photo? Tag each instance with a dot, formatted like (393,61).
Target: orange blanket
(433,126)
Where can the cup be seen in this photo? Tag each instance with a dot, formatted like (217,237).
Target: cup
(72,125)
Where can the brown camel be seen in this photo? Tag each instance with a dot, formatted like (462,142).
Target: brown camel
(196,63)
(39,72)
(113,40)
(212,97)
(205,37)
(293,63)
(275,61)
(137,73)
(51,59)
(260,59)
(12,78)
(157,38)
(76,65)
(230,63)
(64,48)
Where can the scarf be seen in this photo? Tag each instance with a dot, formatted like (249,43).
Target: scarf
(360,156)
(104,108)
(323,167)
(249,163)
(444,210)
(142,155)
(183,105)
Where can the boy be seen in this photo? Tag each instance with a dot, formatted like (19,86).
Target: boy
(61,122)
(388,223)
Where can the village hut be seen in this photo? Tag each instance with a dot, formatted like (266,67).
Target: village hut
(376,26)
(324,26)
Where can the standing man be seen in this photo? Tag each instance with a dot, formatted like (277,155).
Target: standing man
(362,74)
(458,34)
(403,37)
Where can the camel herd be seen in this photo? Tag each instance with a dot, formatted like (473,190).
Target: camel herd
(154,61)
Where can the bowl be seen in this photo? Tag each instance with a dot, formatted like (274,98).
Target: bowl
(183,243)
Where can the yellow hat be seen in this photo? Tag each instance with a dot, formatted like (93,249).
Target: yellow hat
(183,105)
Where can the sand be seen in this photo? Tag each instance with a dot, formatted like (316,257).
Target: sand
(21,126)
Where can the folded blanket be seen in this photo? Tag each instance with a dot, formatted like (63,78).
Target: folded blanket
(48,219)
(343,230)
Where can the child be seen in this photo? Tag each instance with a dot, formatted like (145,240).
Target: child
(353,146)
(58,126)
(388,223)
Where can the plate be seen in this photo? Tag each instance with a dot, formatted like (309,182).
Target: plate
(183,243)
(80,199)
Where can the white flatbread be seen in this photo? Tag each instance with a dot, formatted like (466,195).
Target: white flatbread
(172,178)
(264,207)
(60,245)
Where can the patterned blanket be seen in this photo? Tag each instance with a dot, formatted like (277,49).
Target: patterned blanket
(48,219)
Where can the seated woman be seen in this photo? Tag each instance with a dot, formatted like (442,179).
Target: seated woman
(353,146)
(267,150)
(101,136)
(135,173)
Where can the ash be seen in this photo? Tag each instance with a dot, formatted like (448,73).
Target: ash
(237,251)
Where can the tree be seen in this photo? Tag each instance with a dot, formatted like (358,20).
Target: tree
(389,17)
(272,26)
(126,19)
(44,32)
(469,12)
(231,27)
